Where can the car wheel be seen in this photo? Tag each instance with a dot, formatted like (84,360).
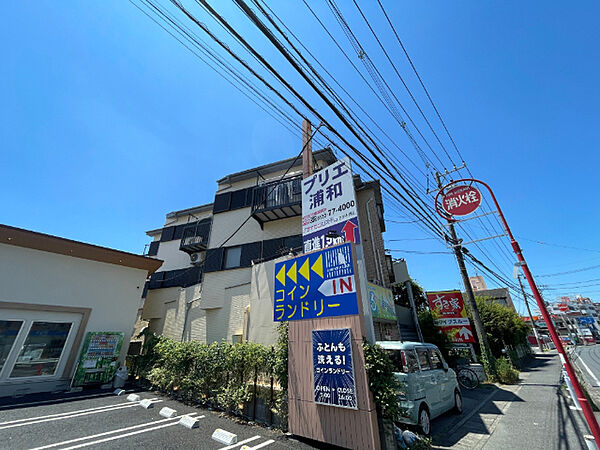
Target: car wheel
(424,421)
(458,403)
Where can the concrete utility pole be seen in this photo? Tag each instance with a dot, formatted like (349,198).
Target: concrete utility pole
(307,157)
(479,328)
(535,331)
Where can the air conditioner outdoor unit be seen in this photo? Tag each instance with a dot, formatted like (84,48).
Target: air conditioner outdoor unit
(196,258)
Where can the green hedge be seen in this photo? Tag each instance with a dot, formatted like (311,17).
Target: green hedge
(219,375)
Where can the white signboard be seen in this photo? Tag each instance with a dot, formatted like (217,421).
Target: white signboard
(329,209)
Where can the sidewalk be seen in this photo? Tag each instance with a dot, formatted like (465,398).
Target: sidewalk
(534,413)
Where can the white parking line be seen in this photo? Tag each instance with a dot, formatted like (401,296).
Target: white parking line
(120,430)
(112,438)
(63,413)
(71,416)
(588,369)
(253,438)
(264,444)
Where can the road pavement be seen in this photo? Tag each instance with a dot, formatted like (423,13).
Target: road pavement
(105,421)
(535,414)
(587,360)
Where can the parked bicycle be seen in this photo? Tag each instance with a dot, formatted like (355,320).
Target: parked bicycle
(467,378)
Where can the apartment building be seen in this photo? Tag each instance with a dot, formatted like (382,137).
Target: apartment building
(216,282)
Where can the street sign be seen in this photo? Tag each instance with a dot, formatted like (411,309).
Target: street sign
(320,284)
(329,207)
(381,301)
(585,320)
(332,368)
(461,200)
(451,315)
(563,307)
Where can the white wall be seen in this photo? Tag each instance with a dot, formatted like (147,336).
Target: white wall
(112,292)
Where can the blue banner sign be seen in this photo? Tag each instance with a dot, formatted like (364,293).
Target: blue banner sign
(332,368)
(585,320)
(320,284)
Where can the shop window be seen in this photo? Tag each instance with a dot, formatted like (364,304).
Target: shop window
(9,329)
(42,349)
(423,359)
(233,257)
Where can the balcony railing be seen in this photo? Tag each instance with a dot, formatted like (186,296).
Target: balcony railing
(194,239)
(277,200)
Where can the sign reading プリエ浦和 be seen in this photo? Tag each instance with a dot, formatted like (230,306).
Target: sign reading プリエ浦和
(451,315)
(320,284)
(329,210)
(332,368)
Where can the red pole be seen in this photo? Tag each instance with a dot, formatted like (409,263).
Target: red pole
(585,406)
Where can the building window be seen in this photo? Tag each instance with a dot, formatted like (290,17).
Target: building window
(42,349)
(9,329)
(233,257)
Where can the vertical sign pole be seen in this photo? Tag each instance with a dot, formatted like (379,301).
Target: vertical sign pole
(479,328)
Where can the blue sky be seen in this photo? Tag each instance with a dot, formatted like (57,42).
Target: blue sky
(107,123)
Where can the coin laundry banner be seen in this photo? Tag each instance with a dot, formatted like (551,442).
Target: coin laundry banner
(320,284)
(332,368)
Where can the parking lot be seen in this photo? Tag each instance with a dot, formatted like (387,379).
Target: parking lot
(104,421)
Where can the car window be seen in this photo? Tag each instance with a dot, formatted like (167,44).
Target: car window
(404,360)
(436,359)
(423,359)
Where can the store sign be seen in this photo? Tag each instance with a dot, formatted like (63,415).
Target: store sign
(329,208)
(98,358)
(320,284)
(382,302)
(332,368)
(461,200)
(563,307)
(451,315)
(585,320)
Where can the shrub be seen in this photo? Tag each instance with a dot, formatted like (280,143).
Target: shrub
(506,373)
(382,381)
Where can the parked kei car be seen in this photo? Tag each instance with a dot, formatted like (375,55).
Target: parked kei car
(431,387)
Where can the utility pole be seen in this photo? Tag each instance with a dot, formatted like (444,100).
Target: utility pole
(486,354)
(535,331)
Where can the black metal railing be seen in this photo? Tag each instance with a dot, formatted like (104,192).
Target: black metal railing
(278,194)
(194,238)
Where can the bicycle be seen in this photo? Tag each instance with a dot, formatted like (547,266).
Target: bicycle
(467,378)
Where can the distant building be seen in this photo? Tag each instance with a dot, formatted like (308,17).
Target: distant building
(216,283)
(478,283)
(498,295)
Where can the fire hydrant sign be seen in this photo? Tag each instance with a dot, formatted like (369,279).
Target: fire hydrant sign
(320,284)
(461,200)
(332,368)
(329,210)
(451,315)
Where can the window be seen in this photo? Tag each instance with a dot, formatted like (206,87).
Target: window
(436,359)
(233,256)
(404,360)
(42,349)
(9,329)
(423,359)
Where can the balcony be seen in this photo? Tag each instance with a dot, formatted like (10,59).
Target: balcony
(277,200)
(195,238)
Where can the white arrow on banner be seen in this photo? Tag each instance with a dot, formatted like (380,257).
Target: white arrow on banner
(338,286)
(465,333)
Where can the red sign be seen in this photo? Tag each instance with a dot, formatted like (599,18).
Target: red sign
(451,315)
(563,307)
(461,200)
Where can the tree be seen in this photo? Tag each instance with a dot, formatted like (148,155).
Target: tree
(401,296)
(504,327)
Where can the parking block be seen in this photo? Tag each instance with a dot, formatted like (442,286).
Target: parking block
(189,422)
(133,398)
(147,404)
(224,437)
(119,392)
(167,412)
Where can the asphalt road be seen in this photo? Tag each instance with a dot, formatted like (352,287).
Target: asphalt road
(105,421)
(588,362)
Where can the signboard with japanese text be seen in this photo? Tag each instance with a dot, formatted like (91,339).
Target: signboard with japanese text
(333,369)
(585,320)
(451,315)
(320,284)
(381,301)
(461,200)
(98,358)
(329,208)
(563,307)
